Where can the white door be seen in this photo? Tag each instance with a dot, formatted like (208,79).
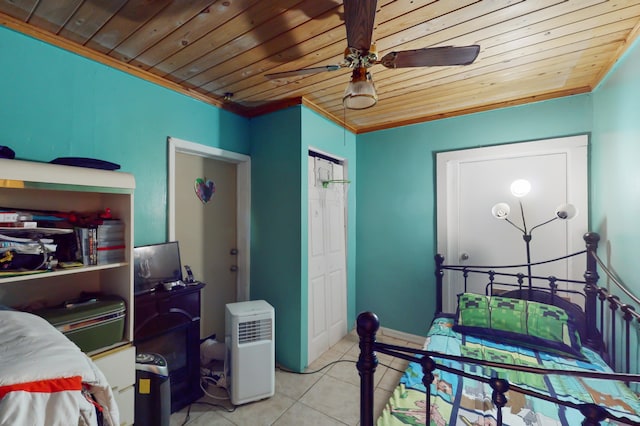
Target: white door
(471,182)
(327,257)
(207,234)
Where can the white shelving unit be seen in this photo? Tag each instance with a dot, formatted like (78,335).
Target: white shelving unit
(44,186)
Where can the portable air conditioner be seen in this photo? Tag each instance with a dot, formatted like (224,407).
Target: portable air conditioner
(250,359)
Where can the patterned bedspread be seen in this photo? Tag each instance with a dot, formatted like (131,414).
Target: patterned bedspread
(463,401)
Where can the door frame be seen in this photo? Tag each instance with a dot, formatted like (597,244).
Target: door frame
(243,207)
(447,180)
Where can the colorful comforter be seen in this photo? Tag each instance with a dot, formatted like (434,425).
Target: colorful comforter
(463,401)
(45,379)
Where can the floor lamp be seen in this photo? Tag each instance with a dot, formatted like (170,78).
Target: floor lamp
(520,188)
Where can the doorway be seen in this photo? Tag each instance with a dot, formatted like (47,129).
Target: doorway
(214,235)
(327,281)
(470,182)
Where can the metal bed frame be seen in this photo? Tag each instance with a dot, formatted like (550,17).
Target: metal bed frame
(599,305)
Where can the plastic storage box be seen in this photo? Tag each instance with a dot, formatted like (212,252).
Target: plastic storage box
(91,324)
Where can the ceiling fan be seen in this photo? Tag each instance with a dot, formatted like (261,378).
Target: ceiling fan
(359,18)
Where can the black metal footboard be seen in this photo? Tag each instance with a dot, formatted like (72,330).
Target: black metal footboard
(367,327)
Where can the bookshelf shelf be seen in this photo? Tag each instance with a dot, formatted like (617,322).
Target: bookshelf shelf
(34,275)
(8,230)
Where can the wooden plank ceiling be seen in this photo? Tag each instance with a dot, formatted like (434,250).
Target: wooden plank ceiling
(219,51)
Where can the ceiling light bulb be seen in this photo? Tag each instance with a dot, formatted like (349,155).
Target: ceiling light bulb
(520,187)
(360,92)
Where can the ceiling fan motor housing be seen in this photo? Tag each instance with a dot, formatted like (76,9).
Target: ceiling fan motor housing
(357,58)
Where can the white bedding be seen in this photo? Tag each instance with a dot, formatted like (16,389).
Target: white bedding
(42,374)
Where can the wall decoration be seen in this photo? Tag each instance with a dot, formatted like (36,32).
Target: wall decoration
(205,188)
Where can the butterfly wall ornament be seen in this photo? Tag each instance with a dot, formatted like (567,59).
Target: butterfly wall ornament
(205,189)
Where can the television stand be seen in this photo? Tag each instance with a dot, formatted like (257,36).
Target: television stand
(167,322)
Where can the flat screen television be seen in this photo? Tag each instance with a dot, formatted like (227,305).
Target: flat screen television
(155,264)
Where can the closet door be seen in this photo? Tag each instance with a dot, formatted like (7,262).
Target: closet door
(327,257)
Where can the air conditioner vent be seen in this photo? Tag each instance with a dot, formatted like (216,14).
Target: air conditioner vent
(254,331)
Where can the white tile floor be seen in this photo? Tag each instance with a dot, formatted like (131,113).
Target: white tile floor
(328,397)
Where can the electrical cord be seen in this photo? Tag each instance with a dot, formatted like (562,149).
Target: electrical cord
(211,404)
(285,370)
(207,379)
(204,380)
(187,418)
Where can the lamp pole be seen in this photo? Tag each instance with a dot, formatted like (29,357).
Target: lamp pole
(520,188)
(526,236)
(527,242)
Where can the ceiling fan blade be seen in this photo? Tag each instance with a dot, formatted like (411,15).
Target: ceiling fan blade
(359,18)
(303,71)
(431,56)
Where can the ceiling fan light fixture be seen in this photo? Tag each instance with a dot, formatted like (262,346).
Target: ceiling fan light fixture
(360,92)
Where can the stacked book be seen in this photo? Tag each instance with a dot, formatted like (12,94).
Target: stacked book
(11,219)
(86,245)
(110,243)
(101,244)
(28,219)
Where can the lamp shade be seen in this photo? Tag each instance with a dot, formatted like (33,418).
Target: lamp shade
(501,210)
(566,211)
(360,92)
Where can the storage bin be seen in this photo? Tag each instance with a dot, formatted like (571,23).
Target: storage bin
(91,324)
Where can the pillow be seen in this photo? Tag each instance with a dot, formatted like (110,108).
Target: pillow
(532,325)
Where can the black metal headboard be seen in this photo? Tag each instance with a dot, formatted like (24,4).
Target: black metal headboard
(540,288)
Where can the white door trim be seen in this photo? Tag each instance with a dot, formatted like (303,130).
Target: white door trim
(243,207)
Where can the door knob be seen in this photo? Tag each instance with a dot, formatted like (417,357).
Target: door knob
(233,251)
(233,268)
(464,256)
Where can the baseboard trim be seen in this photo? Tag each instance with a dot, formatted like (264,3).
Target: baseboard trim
(413,338)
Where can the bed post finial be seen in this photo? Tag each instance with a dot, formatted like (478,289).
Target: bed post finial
(439,275)
(367,327)
(498,396)
(593,414)
(591,289)
(592,238)
(428,367)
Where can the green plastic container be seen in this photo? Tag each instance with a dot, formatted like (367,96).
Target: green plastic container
(91,324)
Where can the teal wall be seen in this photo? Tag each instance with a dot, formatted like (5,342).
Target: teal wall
(279,268)
(57,104)
(396,232)
(615,177)
(276,227)
(615,174)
